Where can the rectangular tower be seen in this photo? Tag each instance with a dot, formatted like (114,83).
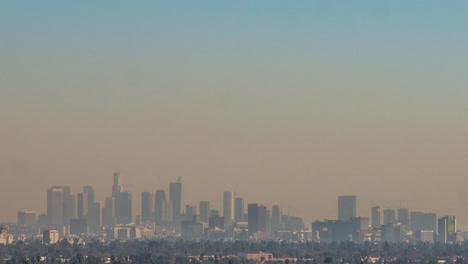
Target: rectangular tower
(228,209)
(346,207)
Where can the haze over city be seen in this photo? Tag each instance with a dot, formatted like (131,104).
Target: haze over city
(291,103)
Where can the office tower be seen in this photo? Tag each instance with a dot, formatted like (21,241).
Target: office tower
(159,199)
(55,205)
(124,215)
(94,216)
(175,195)
(147,207)
(78,226)
(216,221)
(82,205)
(91,194)
(108,217)
(346,207)
(204,211)
(423,221)
(69,205)
(167,211)
(50,236)
(275,218)
(257,218)
(403,216)
(116,187)
(26,218)
(447,229)
(228,209)
(239,209)
(389,216)
(73,206)
(376,214)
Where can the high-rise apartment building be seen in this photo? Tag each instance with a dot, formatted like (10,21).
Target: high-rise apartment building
(147,207)
(257,218)
(228,209)
(239,209)
(346,207)
(376,215)
(175,195)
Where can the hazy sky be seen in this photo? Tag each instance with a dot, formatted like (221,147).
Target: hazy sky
(284,102)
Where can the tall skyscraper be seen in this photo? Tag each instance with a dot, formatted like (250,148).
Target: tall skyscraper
(82,205)
(124,215)
(447,229)
(228,209)
(147,207)
(204,211)
(275,218)
(94,216)
(167,212)
(91,194)
(108,215)
(376,214)
(389,216)
(239,209)
(55,205)
(116,187)
(404,216)
(175,195)
(346,207)
(257,218)
(159,199)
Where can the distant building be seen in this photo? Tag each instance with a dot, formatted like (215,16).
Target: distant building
(257,218)
(191,230)
(228,209)
(50,236)
(204,211)
(175,195)
(214,212)
(94,217)
(91,194)
(425,236)
(275,218)
(393,233)
(404,216)
(124,213)
(346,207)
(108,215)
(159,198)
(26,218)
(5,237)
(423,221)
(216,221)
(147,207)
(78,226)
(447,229)
(55,205)
(376,215)
(82,205)
(239,209)
(389,216)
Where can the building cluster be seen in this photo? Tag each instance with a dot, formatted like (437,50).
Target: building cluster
(397,225)
(164,214)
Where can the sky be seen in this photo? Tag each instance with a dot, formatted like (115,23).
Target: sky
(284,102)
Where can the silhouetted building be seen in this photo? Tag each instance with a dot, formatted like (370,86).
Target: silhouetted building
(159,198)
(50,236)
(91,194)
(276,218)
(404,216)
(26,218)
(124,215)
(55,205)
(175,195)
(346,207)
(94,217)
(228,209)
(376,214)
(257,218)
(393,233)
(423,221)
(78,226)
(424,236)
(108,216)
(82,205)
(147,207)
(204,211)
(389,216)
(168,213)
(447,229)
(239,209)
(216,221)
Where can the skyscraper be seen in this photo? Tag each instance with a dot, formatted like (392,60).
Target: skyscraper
(239,209)
(389,216)
(26,218)
(423,221)
(403,216)
(376,214)
(275,218)
(175,195)
(124,215)
(147,207)
(257,218)
(55,205)
(91,194)
(204,211)
(116,187)
(108,216)
(447,229)
(82,205)
(228,209)
(346,207)
(94,216)
(159,199)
